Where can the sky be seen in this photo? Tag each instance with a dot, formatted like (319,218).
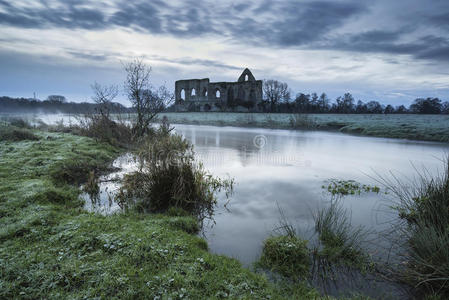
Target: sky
(383,50)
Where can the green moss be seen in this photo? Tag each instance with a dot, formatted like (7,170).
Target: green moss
(287,255)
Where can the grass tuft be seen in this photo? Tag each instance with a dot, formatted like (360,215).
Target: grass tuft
(424,206)
(340,242)
(286,255)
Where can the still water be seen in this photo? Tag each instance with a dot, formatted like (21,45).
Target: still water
(287,169)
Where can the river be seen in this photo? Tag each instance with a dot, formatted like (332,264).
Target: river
(287,169)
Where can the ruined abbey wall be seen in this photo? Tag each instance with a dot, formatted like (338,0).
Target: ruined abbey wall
(214,95)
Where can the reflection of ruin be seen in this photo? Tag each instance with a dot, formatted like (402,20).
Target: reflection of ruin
(202,95)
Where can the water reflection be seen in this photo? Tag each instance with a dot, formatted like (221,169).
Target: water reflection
(289,168)
(109,185)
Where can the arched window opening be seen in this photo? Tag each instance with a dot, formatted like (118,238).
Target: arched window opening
(217,93)
(193,93)
(246,77)
(204,92)
(183,94)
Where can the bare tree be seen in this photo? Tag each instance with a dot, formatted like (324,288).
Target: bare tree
(103,96)
(275,92)
(145,99)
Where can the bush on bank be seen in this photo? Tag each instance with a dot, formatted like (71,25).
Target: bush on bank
(169,177)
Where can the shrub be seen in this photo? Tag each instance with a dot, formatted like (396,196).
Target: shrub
(102,128)
(169,177)
(287,255)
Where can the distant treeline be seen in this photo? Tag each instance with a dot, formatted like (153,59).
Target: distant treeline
(54,104)
(305,103)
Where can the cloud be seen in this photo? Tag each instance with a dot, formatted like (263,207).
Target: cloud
(67,15)
(88,56)
(440,20)
(194,61)
(269,24)
(145,15)
(362,46)
(423,47)
(283,23)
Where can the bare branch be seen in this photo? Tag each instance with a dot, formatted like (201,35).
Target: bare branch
(146,100)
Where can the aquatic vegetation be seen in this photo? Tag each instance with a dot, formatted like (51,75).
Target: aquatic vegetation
(287,255)
(337,251)
(169,177)
(92,187)
(424,206)
(348,187)
(339,241)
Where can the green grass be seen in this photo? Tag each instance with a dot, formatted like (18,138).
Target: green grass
(287,255)
(340,243)
(13,133)
(423,203)
(51,248)
(407,126)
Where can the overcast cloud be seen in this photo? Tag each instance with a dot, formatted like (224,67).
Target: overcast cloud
(390,51)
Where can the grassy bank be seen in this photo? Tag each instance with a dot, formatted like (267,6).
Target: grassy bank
(414,127)
(51,248)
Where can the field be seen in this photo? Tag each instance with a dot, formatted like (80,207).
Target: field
(407,126)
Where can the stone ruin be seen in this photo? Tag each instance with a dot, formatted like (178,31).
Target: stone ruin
(202,95)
